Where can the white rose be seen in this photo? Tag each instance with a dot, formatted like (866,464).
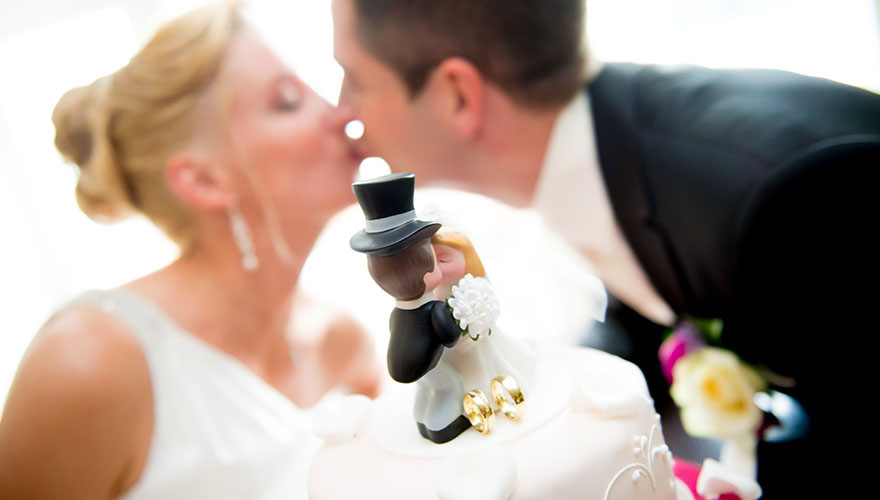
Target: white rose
(475,306)
(716,394)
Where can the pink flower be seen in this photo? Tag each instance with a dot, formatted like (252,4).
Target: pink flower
(684,340)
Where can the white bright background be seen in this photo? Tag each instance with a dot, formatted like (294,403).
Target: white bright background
(49,251)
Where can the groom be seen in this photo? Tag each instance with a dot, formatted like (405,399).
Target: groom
(744,195)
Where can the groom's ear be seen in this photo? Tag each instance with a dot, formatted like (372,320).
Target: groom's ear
(458,89)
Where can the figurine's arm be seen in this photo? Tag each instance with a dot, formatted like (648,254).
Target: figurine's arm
(445,328)
(413,348)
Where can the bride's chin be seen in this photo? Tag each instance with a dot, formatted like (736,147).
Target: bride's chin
(310,226)
(341,199)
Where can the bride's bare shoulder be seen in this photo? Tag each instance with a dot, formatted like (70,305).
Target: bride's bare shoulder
(85,340)
(80,402)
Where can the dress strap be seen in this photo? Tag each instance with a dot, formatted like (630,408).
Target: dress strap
(145,320)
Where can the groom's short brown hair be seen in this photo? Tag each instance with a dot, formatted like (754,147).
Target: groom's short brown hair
(532,49)
(402,275)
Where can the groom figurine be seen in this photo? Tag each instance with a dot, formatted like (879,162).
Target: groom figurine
(745,195)
(402,262)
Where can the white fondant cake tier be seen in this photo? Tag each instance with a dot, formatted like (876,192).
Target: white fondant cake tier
(590,432)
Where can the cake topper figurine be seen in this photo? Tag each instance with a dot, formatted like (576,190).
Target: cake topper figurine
(444,316)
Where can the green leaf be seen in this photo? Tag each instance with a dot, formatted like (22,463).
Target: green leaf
(711,329)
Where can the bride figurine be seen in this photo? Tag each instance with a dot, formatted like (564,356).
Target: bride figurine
(485,354)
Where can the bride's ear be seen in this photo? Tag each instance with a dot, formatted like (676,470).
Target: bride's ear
(458,89)
(199,182)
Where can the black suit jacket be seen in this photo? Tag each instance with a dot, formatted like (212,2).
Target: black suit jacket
(751,195)
(748,195)
(417,339)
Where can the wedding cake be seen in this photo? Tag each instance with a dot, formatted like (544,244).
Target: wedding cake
(590,432)
(480,415)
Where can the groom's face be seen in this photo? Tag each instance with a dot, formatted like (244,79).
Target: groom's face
(399,128)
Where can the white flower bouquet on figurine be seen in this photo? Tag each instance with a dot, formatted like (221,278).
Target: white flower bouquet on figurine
(474,306)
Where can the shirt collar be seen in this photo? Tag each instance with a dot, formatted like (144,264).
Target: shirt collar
(416,303)
(573,200)
(570,193)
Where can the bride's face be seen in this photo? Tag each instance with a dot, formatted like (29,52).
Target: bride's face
(288,141)
(451,263)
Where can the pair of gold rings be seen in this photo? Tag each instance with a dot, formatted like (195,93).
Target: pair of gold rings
(508,397)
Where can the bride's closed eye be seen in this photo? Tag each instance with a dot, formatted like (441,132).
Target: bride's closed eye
(288,96)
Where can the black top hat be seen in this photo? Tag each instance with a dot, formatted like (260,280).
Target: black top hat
(391,224)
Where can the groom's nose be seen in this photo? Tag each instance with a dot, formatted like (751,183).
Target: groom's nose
(345,112)
(345,104)
(340,116)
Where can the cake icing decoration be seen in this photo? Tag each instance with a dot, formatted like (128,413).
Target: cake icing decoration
(339,420)
(486,474)
(593,390)
(648,452)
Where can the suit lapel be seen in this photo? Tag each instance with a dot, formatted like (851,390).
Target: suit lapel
(613,105)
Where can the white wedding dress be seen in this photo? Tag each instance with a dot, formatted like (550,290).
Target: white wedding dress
(478,361)
(220,432)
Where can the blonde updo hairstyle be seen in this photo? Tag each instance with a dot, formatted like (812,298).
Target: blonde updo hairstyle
(122,129)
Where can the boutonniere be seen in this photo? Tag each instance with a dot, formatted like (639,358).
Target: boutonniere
(714,389)
(474,306)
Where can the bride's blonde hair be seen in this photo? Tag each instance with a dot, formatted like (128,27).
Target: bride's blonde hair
(122,128)
(460,242)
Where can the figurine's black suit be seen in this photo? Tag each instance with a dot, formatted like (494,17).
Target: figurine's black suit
(417,339)
(751,195)
(414,351)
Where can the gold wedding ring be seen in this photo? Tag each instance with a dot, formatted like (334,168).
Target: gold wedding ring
(478,411)
(508,397)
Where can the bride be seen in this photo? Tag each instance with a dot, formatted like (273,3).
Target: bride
(484,352)
(187,383)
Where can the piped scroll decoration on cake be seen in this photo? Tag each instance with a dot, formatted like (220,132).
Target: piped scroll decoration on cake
(487,474)
(649,454)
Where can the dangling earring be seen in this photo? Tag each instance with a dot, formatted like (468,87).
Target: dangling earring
(241,233)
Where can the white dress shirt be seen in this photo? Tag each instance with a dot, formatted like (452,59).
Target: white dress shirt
(572,198)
